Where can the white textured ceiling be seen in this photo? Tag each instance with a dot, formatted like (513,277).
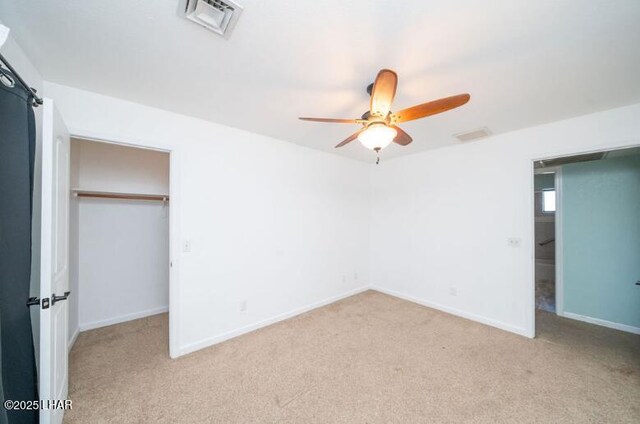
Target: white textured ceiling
(523,62)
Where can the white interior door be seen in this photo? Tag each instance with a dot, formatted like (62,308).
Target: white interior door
(54,268)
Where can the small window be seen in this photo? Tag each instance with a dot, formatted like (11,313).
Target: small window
(549,201)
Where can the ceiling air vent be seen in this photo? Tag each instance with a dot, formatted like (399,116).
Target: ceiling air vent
(473,134)
(217,15)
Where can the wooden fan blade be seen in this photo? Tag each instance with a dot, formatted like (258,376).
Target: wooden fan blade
(430,108)
(402,138)
(350,138)
(332,120)
(383,92)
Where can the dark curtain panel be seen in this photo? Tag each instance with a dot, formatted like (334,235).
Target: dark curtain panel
(17,146)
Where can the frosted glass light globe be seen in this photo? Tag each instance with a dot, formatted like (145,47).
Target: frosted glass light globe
(377,136)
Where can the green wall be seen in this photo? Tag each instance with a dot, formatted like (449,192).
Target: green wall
(601,236)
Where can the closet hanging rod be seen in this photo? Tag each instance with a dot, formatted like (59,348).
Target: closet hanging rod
(123,196)
(36,100)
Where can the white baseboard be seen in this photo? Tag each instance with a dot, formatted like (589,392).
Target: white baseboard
(467,315)
(602,322)
(192,347)
(123,318)
(73,339)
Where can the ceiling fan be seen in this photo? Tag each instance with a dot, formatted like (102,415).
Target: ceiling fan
(379,127)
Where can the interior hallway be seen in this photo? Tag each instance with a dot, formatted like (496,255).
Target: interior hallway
(370,358)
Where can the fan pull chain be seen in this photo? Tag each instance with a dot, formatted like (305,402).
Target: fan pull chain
(377,150)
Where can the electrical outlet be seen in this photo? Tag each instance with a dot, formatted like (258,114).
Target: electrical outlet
(514,242)
(355,276)
(344,278)
(243,306)
(453,291)
(186,246)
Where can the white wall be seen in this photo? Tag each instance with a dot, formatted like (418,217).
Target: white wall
(279,226)
(12,51)
(124,261)
(109,167)
(119,248)
(441,219)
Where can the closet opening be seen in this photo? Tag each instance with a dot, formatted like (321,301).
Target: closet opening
(119,256)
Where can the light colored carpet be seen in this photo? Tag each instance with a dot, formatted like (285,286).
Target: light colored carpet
(370,358)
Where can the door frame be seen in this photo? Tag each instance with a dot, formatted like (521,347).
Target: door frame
(559,236)
(174,221)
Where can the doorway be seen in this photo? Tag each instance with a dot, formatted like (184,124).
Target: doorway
(118,236)
(587,241)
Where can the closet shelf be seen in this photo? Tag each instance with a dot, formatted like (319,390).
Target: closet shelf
(116,195)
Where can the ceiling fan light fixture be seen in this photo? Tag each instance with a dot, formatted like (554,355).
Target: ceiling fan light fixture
(380,125)
(377,136)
